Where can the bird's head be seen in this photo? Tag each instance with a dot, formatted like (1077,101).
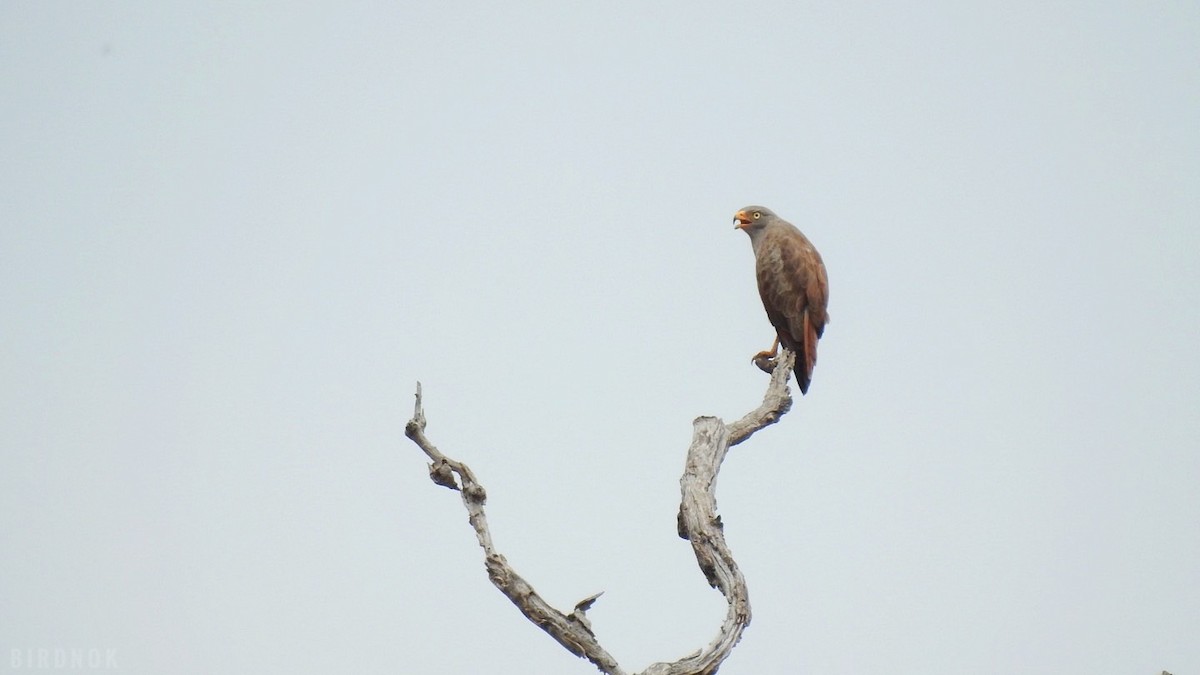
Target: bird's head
(752,218)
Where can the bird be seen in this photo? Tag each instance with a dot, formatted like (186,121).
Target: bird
(793,285)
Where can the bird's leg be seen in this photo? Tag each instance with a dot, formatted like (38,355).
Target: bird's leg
(774,351)
(766,360)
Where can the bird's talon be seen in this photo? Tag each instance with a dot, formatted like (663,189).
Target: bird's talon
(765,362)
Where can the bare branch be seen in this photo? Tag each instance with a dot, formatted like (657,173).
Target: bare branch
(572,633)
(776,402)
(698,522)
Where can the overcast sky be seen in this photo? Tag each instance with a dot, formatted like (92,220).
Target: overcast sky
(233,237)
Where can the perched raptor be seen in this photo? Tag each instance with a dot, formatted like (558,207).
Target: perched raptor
(793,286)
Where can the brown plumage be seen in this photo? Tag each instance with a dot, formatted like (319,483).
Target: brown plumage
(792,283)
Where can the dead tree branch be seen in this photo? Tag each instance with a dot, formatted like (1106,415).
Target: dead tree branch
(698,523)
(571,631)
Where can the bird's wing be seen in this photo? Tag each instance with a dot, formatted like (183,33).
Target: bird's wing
(792,281)
(777,285)
(795,291)
(817,290)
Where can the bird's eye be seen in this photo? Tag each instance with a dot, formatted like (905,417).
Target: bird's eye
(757,215)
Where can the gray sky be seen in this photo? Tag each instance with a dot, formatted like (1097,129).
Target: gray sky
(233,238)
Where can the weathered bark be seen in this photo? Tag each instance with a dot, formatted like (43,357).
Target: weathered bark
(698,522)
